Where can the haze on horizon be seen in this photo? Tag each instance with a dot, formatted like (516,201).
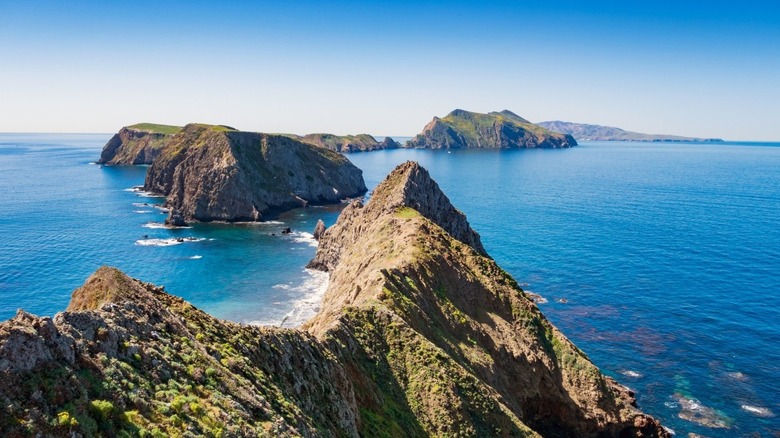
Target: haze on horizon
(695,68)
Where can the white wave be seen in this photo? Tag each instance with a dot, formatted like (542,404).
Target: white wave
(631,373)
(139,191)
(196,257)
(304,237)
(142,211)
(758,411)
(158,225)
(310,291)
(167,242)
(313,289)
(255,223)
(670,430)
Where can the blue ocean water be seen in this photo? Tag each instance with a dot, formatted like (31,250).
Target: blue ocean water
(659,260)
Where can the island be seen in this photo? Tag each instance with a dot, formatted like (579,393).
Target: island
(216,173)
(582,131)
(420,333)
(494,130)
(348,143)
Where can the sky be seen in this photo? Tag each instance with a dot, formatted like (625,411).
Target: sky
(694,68)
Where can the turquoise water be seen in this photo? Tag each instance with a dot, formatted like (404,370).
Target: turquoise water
(659,260)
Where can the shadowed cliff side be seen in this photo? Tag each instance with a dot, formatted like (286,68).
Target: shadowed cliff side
(215,173)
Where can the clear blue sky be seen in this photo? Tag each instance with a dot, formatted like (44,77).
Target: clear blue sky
(698,68)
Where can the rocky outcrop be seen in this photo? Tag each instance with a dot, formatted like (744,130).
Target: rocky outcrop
(137,144)
(210,173)
(349,143)
(583,131)
(495,130)
(319,229)
(419,334)
(127,359)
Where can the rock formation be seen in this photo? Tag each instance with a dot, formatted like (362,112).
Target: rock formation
(495,130)
(349,143)
(319,229)
(137,144)
(582,131)
(419,334)
(213,173)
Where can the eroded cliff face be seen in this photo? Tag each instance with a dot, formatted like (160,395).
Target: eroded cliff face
(214,173)
(137,144)
(419,334)
(495,130)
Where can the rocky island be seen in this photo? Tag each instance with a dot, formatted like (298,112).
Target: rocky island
(495,130)
(582,131)
(137,144)
(420,333)
(349,143)
(215,173)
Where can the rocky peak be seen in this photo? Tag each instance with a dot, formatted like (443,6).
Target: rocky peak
(407,190)
(107,285)
(411,186)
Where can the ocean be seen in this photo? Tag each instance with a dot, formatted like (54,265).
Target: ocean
(659,260)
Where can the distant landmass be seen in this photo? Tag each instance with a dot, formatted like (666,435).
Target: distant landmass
(347,143)
(495,130)
(583,131)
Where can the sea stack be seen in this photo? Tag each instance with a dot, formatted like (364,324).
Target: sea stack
(496,130)
(216,173)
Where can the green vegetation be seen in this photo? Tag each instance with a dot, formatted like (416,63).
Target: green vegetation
(406,213)
(156,128)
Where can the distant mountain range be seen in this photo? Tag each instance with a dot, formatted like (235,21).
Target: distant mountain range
(582,131)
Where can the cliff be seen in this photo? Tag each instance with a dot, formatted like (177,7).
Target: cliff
(212,173)
(349,143)
(137,144)
(419,334)
(582,131)
(496,130)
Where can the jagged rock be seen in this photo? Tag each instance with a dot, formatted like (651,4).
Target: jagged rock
(496,130)
(419,334)
(319,229)
(176,219)
(215,173)
(137,144)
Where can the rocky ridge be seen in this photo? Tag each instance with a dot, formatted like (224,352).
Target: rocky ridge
(494,130)
(349,143)
(210,173)
(137,144)
(582,131)
(419,334)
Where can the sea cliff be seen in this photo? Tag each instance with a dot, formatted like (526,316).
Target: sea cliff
(495,130)
(420,333)
(137,144)
(210,173)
